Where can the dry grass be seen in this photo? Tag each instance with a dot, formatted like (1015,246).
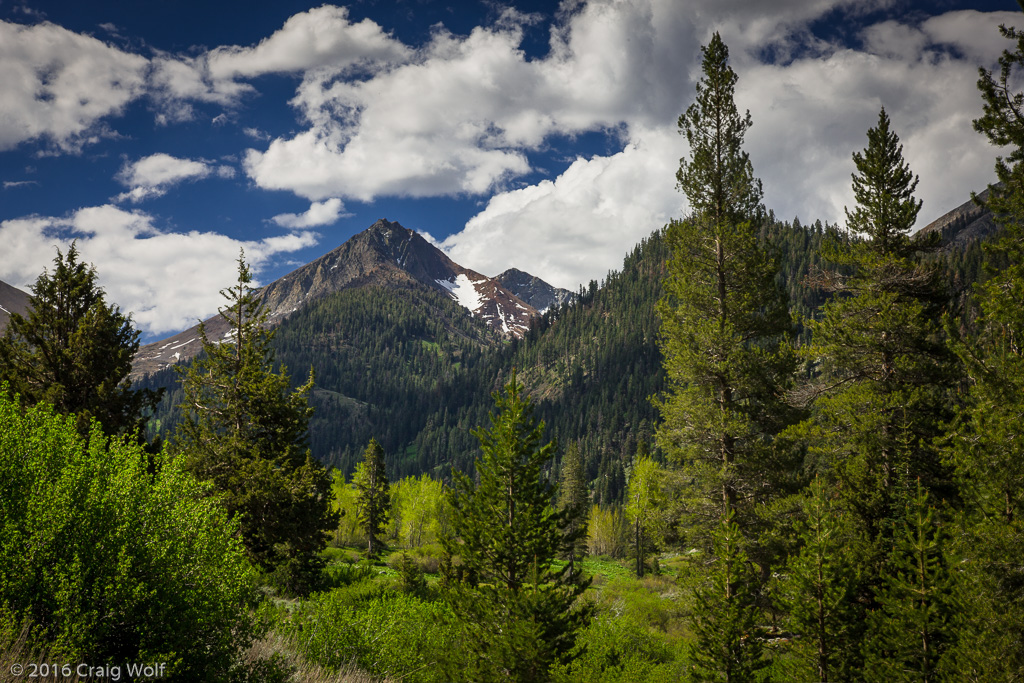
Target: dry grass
(304,671)
(15,652)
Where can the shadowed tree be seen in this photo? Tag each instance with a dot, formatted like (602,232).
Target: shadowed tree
(574,501)
(373,500)
(246,432)
(75,351)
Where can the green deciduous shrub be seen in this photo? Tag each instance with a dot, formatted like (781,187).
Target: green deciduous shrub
(106,562)
(623,650)
(389,635)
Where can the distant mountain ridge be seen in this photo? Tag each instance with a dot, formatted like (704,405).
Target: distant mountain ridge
(12,300)
(964,225)
(533,290)
(384,255)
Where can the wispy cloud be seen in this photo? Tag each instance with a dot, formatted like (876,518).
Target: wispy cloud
(11,184)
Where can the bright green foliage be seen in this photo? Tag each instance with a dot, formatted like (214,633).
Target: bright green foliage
(343,503)
(247,434)
(619,649)
(886,377)
(574,500)
(912,631)
(817,590)
(521,613)
(390,636)
(74,351)
(724,321)
(110,564)
(418,508)
(373,497)
(727,641)
(643,499)
(607,531)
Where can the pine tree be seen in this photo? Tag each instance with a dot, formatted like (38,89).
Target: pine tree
(1001,123)
(886,376)
(373,501)
(884,187)
(246,433)
(75,351)
(727,646)
(574,501)
(724,322)
(520,612)
(913,630)
(817,590)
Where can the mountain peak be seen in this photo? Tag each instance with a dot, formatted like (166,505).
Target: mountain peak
(386,228)
(386,254)
(533,290)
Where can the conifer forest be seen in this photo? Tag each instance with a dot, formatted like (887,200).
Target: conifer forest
(764,450)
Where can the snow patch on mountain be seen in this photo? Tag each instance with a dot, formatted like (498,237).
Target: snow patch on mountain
(464,291)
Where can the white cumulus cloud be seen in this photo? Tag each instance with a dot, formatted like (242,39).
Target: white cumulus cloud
(321,39)
(578,226)
(58,86)
(459,116)
(811,108)
(319,213)
(167,280)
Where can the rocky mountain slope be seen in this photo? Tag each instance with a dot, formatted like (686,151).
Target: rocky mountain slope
(963,225)
(533,290)
(12,300)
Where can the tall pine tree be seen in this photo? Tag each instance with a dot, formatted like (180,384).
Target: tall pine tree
(373,500)
(247,432)
(74,351)
(520,613)
(574,501)
(725,325)
(886,377)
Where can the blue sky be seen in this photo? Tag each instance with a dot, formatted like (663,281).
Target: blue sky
(165,135)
